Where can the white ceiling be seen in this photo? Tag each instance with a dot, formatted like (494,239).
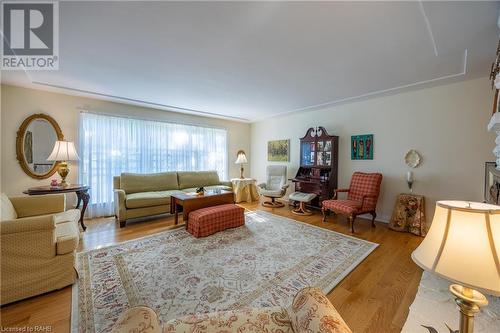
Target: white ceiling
(253,60)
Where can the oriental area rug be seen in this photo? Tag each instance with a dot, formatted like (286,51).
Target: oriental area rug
(263,263)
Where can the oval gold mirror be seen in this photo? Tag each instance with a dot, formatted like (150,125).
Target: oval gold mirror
(34,143)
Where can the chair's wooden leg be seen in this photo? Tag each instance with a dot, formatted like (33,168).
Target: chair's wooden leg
(351,222)
(323,210)
(374,215)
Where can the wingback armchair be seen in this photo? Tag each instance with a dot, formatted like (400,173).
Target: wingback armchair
(38,241)
(362,197)
(275,185)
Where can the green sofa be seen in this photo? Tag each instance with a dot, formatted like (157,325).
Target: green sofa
(140,195)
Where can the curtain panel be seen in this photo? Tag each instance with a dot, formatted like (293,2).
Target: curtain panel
(110,145)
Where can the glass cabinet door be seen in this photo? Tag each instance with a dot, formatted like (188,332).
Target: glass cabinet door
(324,153)
(308,153)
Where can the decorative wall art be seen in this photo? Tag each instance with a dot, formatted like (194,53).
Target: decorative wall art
(413,158)
(278,150)
(362,147)
(491,184)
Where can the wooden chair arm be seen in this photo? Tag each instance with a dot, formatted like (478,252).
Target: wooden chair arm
(339,190)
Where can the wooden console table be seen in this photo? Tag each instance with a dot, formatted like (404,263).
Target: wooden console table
(187,202)
(82,193)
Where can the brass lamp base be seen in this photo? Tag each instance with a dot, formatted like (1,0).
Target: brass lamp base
(63,171)
(241,173)
(469,301)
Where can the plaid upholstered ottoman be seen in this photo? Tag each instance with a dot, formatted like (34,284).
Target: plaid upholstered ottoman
(207,221)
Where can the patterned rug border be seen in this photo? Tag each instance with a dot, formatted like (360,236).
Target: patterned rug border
(329,286)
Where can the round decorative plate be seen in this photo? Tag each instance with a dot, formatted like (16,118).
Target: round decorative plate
(412,158)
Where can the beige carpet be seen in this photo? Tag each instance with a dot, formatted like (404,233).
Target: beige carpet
(263,263)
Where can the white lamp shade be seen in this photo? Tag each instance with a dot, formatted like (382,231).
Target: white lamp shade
(241,159)
(63,151)
(463,245)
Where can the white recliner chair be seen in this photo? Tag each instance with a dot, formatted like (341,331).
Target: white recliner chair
(275,186)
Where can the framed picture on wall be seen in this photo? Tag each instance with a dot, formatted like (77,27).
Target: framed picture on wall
(278,150)
(491,184)
(362,147)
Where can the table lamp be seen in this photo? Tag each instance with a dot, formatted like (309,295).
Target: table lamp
(63,151)
(241,158)
(463,246)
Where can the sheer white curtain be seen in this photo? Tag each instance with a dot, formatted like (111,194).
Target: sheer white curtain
(110,145)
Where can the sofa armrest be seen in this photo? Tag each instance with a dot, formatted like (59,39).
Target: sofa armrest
(39,205)
(67,243)
(311,311)
(226,183)
(138,319)
(28,237)
(28,224)
(120,210)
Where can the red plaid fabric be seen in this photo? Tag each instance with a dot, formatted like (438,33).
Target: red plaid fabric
(363,185)
(346,207)
(207,221)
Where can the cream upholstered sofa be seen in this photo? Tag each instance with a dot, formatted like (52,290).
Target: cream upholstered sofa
(140,195)
(38,240)
(310,312)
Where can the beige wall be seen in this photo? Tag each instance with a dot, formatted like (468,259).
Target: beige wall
(446,124)
(18,103)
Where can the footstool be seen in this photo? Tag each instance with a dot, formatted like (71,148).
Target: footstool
(302,198)
(207,221)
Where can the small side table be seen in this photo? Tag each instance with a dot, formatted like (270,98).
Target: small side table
(409,214)
(82,193)
(245,189)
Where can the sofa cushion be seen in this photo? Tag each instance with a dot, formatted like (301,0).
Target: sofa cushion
(149,199)
(270,319)
(311,311)
(71,215)
(189,179)
(67,237)
(139,182)
(7,211)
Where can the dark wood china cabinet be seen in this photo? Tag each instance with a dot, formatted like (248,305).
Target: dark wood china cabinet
(318,171)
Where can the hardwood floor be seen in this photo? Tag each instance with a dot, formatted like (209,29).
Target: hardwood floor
(373,298)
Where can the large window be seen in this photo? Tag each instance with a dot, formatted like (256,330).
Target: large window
(111,145)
